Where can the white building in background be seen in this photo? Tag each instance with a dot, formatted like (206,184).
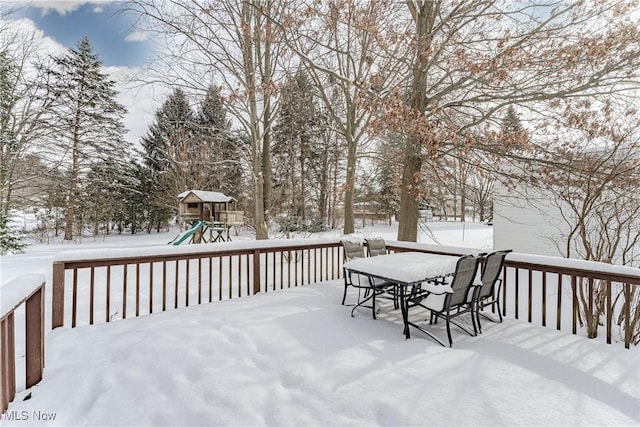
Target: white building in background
(527,220)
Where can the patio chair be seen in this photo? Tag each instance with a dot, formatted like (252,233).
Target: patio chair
(448,299)
(376,247)
(487,291)
(351,250)
(368,287)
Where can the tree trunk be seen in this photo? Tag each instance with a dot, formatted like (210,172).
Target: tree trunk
(349,185)
(423,17)
(408,217)
(75,172)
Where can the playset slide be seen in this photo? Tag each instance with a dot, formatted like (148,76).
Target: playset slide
(186,235)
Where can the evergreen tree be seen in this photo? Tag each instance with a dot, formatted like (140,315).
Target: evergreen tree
(219,157)
(87,117)
(512,133)
(168,151)
(294,150)
(10,237)
(388,197)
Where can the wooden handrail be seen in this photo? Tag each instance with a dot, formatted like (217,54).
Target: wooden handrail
(236,269)
(27,290)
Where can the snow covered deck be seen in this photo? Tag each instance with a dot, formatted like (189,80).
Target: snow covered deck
(298,358)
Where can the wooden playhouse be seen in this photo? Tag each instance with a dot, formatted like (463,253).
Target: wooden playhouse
(211,206)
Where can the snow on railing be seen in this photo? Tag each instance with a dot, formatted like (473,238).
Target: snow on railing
(101,286)
(27,290)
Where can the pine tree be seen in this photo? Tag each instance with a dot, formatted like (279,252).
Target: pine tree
(219,157)
(168,153)
(512,133)
(87,117)
(293,146)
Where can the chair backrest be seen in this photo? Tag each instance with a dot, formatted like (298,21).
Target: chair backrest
(352,250)
(376,247)
(463,279)
(491,271)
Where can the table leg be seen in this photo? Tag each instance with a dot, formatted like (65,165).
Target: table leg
(404,308)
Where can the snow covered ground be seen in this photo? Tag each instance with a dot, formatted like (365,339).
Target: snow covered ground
(297,357)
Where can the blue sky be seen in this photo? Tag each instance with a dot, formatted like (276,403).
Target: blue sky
(59,25)
(111,34)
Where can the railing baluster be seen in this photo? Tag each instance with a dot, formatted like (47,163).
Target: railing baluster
(281,271)
(574,304)
(137,264)
(74,312)
(92,277)
(229,277)
(164,285)
(251,284)
(627,315)
(609,310)
(544,298)
(274,270)
(219,278)
(186,289)
(199,281)
(108,296)
(150,287)
(124,291)
(210,279)
(504,291)
(239,276)
(559,304)
(517,292)
(175,288)
(530,297)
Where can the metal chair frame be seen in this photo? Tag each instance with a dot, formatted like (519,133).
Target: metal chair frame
(455,301)
(487,293)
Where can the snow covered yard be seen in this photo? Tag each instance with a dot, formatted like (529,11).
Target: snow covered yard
(296,357)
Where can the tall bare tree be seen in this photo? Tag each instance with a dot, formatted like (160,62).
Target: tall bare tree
(24,104)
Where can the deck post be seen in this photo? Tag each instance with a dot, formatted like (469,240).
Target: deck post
(57,295)
(34,330)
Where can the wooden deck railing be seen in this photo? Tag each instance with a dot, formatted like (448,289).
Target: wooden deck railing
(138,283)
(27,290)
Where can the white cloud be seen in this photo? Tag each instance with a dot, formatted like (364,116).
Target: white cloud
(141,101)
(46,45)
(62,7)
(136,36)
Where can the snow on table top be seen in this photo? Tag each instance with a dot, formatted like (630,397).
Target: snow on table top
(407,267)
(12,294)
